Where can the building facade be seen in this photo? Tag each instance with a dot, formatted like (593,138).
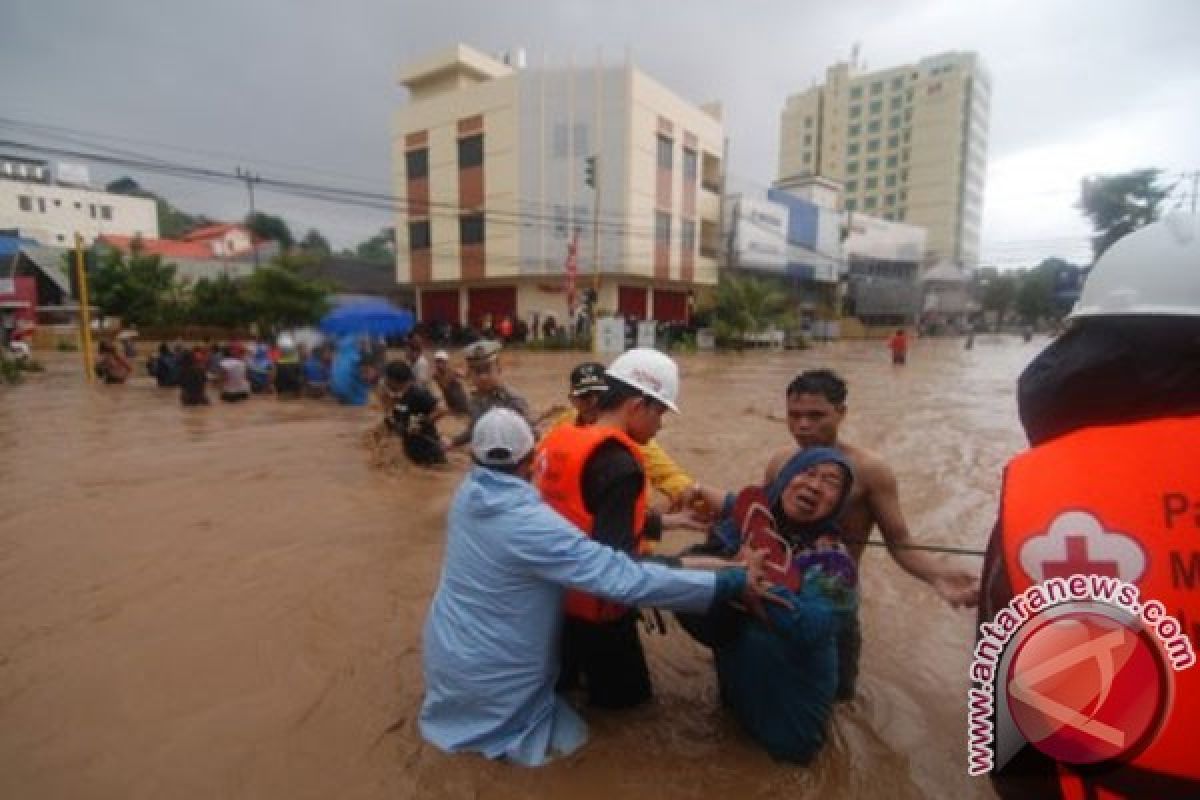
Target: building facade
(507,175)
(883,263)
(908,143)
(795,242)
(37,205)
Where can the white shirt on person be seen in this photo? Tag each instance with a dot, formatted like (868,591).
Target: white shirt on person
(422,372)
(233,376)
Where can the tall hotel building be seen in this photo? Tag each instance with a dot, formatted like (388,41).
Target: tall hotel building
(908,144)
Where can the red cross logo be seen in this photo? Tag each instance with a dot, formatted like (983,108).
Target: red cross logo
(1078,562)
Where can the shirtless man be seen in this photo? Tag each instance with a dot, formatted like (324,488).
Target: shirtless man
(816,404)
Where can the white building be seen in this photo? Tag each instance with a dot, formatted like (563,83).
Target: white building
(883,260)
(37,206)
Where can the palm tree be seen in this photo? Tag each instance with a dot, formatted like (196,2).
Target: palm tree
(750,305)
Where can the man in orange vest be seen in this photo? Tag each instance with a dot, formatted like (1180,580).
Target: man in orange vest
(1111,487)
(587,386)
(594,476)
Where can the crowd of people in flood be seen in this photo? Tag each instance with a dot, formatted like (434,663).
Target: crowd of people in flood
(235,370)
(531,619)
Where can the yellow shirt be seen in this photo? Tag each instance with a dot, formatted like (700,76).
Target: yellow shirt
(664,474)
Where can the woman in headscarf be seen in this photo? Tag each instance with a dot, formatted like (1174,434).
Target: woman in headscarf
(780,678)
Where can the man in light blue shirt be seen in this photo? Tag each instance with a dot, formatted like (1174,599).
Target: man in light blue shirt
(491,637)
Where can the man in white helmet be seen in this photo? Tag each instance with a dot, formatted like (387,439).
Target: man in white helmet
(594,476)
(1111,487)
(489,658)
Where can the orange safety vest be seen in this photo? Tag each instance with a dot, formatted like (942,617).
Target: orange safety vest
(558,475)
(1140,480)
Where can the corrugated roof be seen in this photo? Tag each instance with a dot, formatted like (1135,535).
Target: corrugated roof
(159,247)
(52,264)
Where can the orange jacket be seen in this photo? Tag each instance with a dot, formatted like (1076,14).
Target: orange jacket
(1139,481)
(558,475)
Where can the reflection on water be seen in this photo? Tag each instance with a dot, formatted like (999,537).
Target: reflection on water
(227,601)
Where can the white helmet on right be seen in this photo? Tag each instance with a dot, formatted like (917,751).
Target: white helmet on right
(1154,271)
(650,372)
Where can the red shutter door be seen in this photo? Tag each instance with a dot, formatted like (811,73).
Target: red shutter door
(440,305)
(670,306)
(631,302)
(499,301)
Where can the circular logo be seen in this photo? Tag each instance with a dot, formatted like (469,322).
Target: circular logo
(1085,687)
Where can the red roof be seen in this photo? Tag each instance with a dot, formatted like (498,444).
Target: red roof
(214,232)
(168,248)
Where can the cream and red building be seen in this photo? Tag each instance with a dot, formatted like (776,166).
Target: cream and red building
(494,165)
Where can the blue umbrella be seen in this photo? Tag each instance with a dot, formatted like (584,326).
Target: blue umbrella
(371,317)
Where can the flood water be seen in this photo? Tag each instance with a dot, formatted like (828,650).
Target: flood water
(227,601)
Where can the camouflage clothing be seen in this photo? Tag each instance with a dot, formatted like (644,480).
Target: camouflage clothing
(482,402)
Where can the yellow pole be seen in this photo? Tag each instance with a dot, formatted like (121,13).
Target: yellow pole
(85,316)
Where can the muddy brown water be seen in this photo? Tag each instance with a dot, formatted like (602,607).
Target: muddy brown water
(227,601)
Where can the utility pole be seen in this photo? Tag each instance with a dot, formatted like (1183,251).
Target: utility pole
(85,316)
(250,178)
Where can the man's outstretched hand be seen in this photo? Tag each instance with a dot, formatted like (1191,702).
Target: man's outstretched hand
(957,587)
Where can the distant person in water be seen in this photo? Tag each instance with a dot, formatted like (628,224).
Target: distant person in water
(450,382)
(898,344)
(411,412)
(235,386)
(351,373)
(111,366)
(193,380)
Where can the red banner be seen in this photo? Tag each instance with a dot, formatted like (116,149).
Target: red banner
(572,273)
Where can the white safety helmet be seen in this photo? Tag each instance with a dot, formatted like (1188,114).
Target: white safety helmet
(1154,271)
(650,372)
(286,341)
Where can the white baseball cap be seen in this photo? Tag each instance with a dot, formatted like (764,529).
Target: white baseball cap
(441,355)
(501,438)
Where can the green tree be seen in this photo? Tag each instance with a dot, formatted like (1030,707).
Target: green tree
(1120,204)
(269,226)
(381,247)
(313,242)
(999,292)
(172,223)
(137,288)
(281,298)
(220,301)
(1035,294)
(750,305)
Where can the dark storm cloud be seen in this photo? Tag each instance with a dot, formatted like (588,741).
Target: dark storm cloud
(305,90)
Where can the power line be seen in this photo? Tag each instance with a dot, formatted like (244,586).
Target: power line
(503,218)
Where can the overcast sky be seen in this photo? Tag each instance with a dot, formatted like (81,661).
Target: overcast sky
(304,89)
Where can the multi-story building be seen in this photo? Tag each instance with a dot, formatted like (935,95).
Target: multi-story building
(908,144)
(37,204)
(883,265)
(794,242)
(504,171)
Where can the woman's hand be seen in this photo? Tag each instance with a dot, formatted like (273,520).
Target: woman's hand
(686,519)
